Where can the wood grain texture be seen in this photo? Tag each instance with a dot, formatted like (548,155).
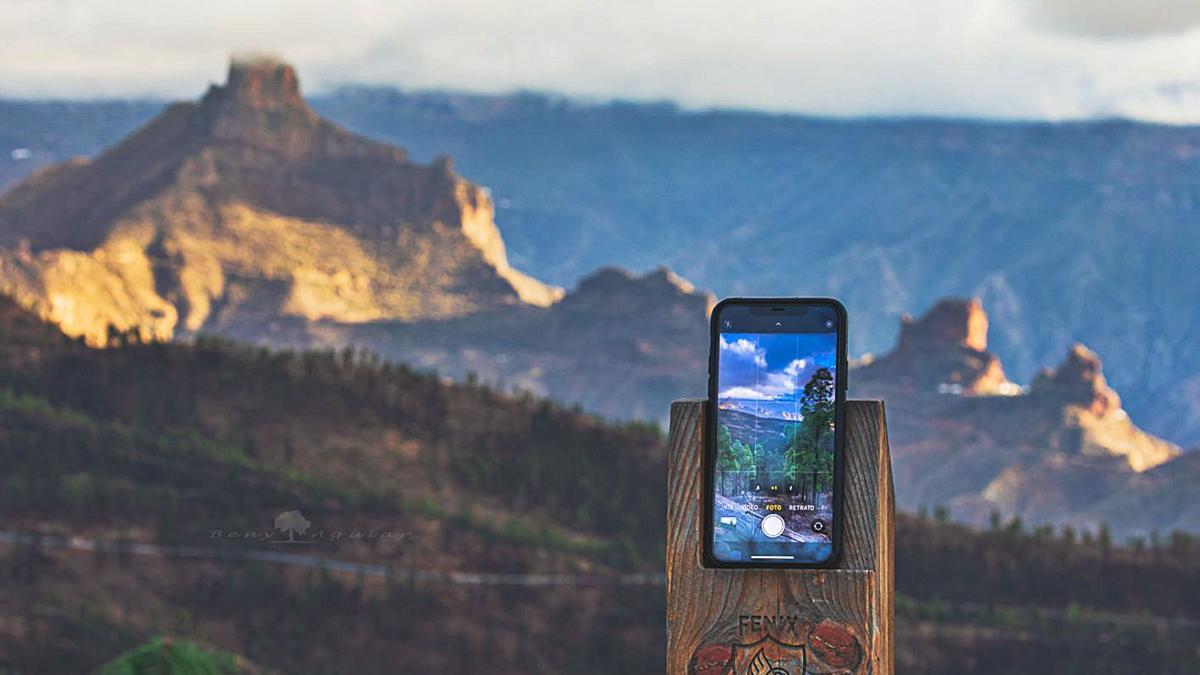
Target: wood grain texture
(801,621)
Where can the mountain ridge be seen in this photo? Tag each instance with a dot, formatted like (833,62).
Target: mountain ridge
(619,344)
(963,437)
(171,225)
(247,215)
(1069,232)
(270,225)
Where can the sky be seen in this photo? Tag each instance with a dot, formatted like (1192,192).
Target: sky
(1020,59)
(766,373)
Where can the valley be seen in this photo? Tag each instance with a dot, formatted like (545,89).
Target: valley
(141,451)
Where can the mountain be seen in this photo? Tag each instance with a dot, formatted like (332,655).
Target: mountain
(946,350)
(965,438)
(619,345)
(448,527)
(1069,232)
(244,207)
(247,215)
(772,433)
(1164,495)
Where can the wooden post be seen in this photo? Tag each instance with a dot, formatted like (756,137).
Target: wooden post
(783,622)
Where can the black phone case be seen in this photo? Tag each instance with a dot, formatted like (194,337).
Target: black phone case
(710,436)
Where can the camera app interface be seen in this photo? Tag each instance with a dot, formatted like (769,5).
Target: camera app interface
(773,480)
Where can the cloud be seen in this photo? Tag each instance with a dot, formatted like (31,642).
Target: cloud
(772,385)
(1047,59)
(777,385)
(791,379)
(745,393)
(745,349)
(796,367)
(772,367)
(1117,18)
(780,384)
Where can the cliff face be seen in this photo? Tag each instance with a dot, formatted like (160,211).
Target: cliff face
(911,210)
(965,437)
(1080,382)
(244,207)
(246,214)
(947,349)
(621,345)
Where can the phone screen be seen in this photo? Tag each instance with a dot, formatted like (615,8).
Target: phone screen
(772,465)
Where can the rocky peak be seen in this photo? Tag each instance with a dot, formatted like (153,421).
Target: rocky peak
(943,350)
(1079,380)
(229,213)
(260,106)
(258,83)
(615,290)
(951,322)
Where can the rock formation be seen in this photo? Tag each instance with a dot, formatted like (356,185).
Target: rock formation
(964,437)
(247,207)
(621,345)
(1079,381)
(946,348)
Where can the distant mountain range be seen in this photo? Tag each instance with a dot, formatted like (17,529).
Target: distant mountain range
(1061,451)
(1068,232)
(247,215)
(772,433)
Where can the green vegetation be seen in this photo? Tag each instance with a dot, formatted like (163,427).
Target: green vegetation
(734,458)
(108,473)
(1014,566)
(809,456)
(804,458)
(166,656)
(183,438)
(159,442)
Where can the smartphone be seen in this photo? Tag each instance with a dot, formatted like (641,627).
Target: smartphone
(775,433)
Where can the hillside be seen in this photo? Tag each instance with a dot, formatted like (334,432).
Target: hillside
(995,602)
(149,481)
(966,438)
(619,345)
(1073,232)
(245,207)
(1076,232)
(774,434)
(206,446)
(247,215)
(170,441)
